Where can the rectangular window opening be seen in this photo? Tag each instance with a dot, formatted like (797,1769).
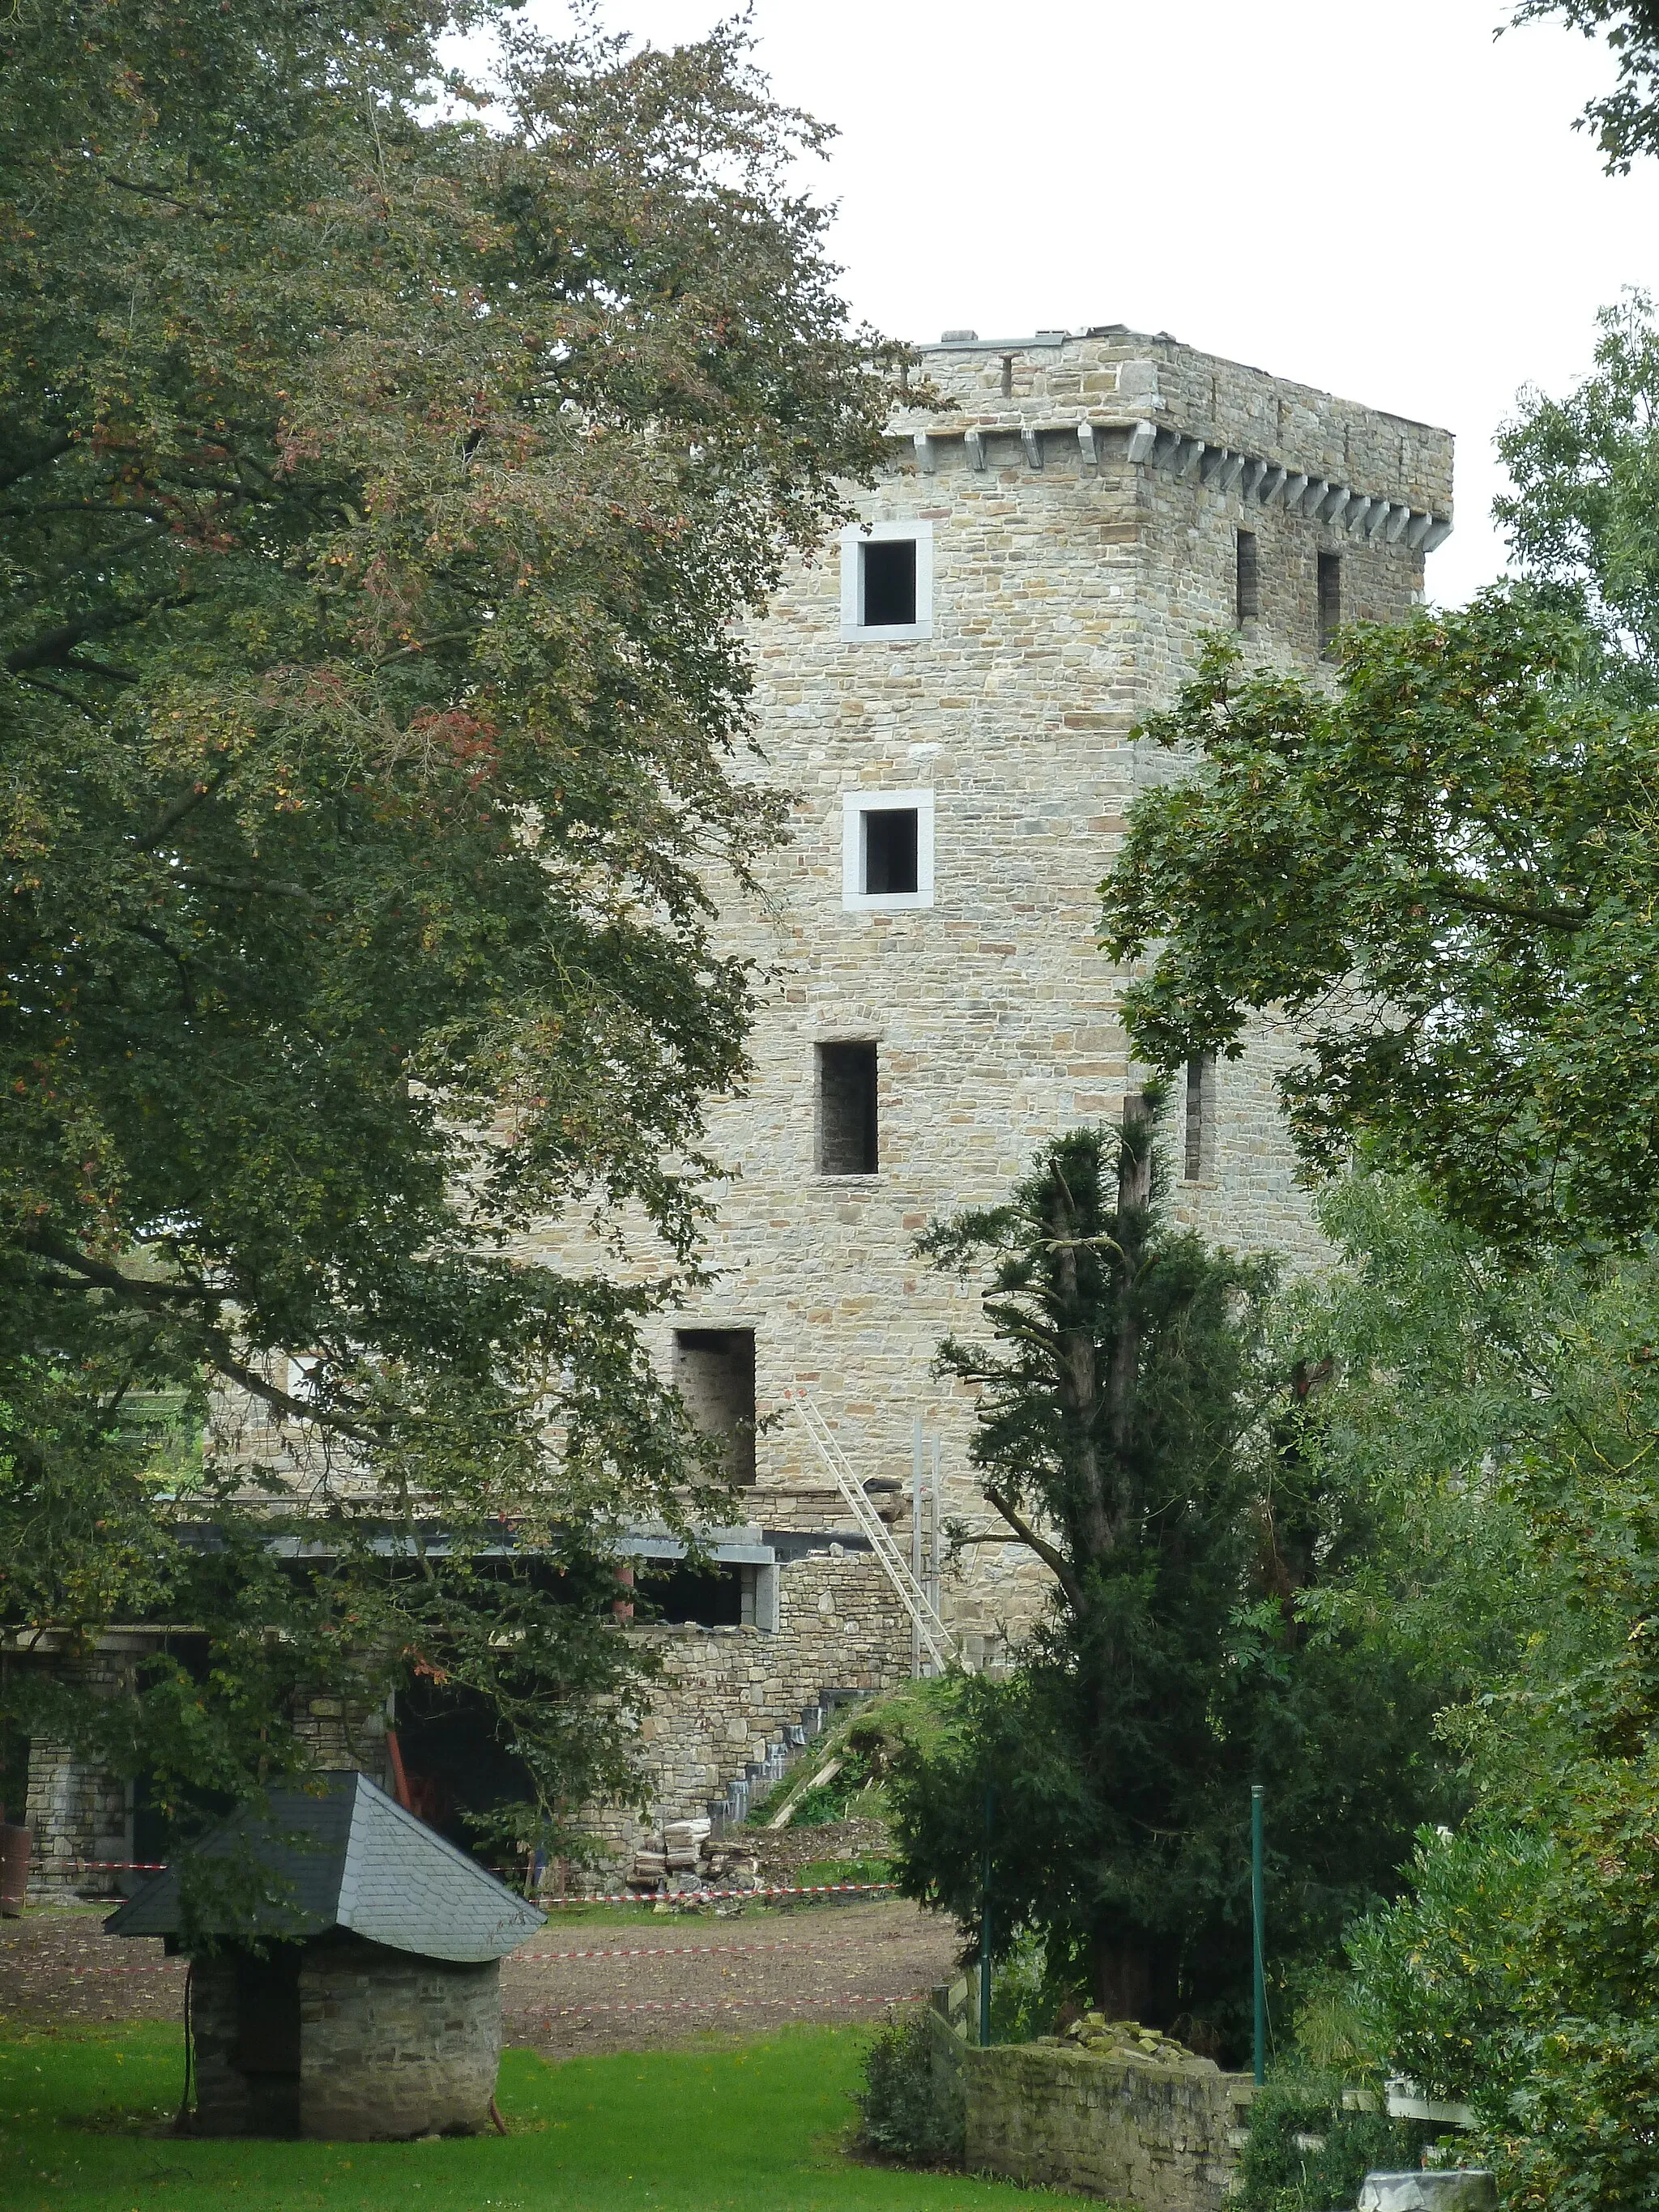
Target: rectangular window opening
(1330,599)
(887,583)
(714,1373)
(1248,591)
(703,1597)
(1201,1085)
(848,1144)
(891,848)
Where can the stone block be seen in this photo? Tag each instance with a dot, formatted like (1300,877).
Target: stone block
(1445,2189)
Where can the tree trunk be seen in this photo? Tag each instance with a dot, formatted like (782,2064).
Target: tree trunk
(1129,1976)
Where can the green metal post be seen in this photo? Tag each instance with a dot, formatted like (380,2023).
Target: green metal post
(985,1929)
(1257,1922)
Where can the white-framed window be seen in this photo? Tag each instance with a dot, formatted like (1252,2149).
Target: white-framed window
(886,849)
(887,580)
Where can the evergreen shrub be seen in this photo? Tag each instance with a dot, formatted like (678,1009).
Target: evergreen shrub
(912,2106)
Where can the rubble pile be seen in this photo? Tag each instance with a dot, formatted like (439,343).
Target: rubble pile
(1122,2038)
(692,1858)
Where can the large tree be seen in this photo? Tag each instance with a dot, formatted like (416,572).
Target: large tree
(1441,873)
(1133,1435)
(1503,1424)
(378,492)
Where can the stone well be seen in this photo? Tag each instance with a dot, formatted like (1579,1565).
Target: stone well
(358,1995)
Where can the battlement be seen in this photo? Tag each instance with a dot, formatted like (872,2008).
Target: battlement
(1080,401)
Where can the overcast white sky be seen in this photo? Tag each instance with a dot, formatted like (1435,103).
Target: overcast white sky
(1377,199)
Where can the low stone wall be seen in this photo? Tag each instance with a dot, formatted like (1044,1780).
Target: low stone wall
(1156,2136)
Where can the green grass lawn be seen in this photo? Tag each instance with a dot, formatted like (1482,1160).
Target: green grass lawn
(752,2127)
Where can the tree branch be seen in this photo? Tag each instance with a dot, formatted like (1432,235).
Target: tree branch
(14,472)
(163,1298)
(186,803)
(1051,1557)
(54,650)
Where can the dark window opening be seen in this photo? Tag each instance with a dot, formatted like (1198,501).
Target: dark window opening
(1330,599)
(890,847)
(714,1373)
(705,1597)
(1199,1080)
(1246,587)
(887,582)
(847,1110)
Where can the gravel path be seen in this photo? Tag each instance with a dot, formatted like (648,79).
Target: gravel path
(586,1985)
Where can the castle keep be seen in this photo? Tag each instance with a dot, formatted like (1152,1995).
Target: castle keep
(948,694)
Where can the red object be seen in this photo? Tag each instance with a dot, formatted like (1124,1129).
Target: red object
(15,1846)
(400,1779)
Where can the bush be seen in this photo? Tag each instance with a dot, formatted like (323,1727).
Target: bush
(1026,1997)
(912,2105)
(1280,2174)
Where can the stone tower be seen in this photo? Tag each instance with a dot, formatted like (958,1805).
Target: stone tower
(948,694)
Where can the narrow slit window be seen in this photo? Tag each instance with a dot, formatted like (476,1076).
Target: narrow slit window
(714,1373)
(1330,599)
(1200,1078)
(891,851)
(887,583)
(847,1134)
(1247,584)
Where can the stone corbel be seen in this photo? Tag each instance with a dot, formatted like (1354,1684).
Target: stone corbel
(926,457)
(1088,439)
(1230,472)
(1272,484)
(1416,530)
(1376,520)
(1142,439)
(1192,453)
(1334,501)
(1357,508)
(1313,498)
(975,442)
(1398,516)
(1293,492)
(1032,441)
(1254,472)
(1438,532)
(1214,458)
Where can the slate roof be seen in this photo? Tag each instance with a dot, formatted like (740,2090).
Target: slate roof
(360,1863)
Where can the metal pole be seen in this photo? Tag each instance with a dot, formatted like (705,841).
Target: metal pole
(1258,1917)
(936,1520)
(985,1929)
(915,1539)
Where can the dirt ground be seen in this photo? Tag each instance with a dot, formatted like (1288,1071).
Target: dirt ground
(632,1983)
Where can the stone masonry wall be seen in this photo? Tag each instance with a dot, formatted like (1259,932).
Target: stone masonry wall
(391,2045)
(729,1692)
(79,1811)
(1153,2137)
(1070,589)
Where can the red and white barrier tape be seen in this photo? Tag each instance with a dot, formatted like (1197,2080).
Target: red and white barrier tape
(687,1950)
(57,1867)
(702,1896)
(709,2004)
